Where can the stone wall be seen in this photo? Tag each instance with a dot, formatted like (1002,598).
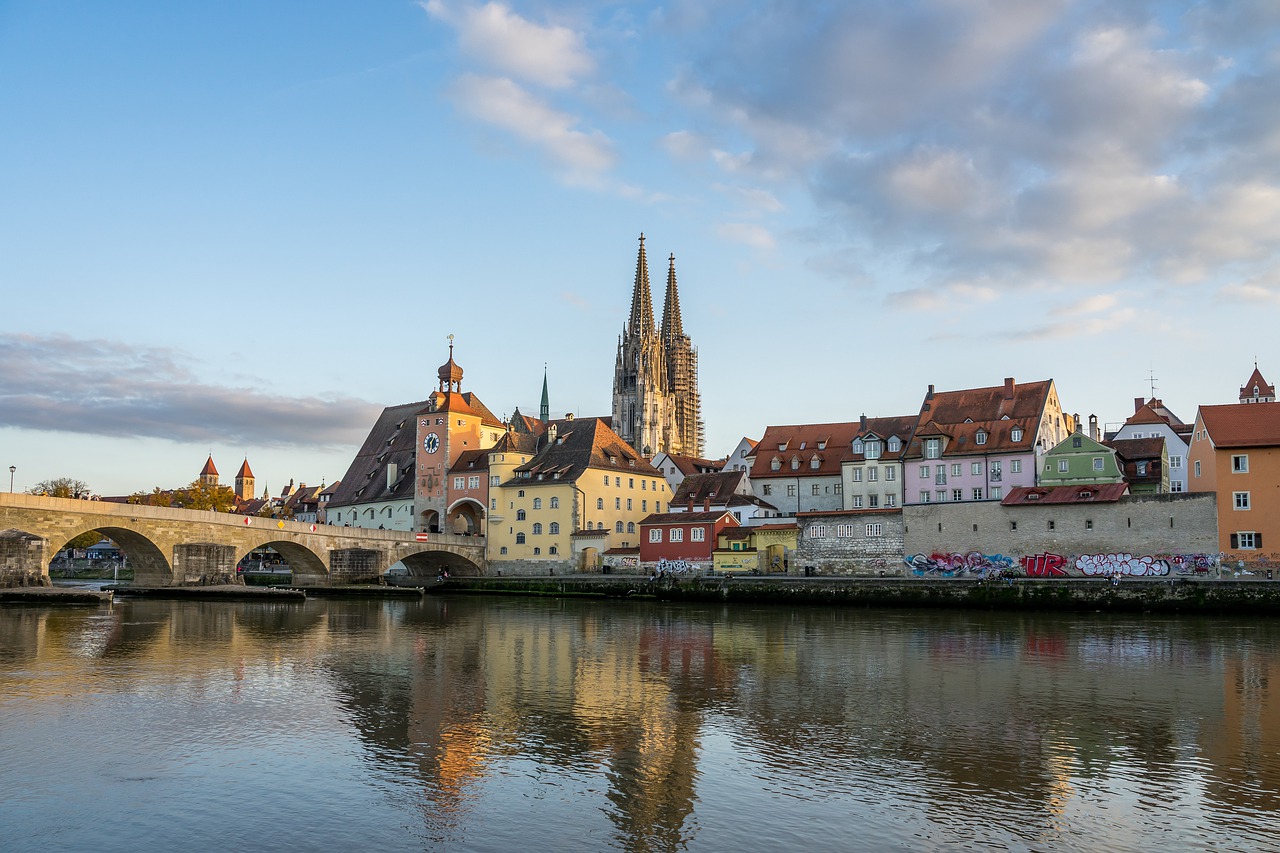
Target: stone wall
(22,560)
(1173,534)
(847,547)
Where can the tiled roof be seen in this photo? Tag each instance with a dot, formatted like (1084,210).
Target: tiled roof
(962,438)
(690,465)
(1137,448)
(244,472)
(208,468)
(392,441)
(995,410)
(827,443)
(579,444)
(847,512)
(779,526)
(1029,495)
(332,489)
(525,424)
(683,517)
(1236,425)
(1255,378)
(470,460)
(464,403)
(717,487)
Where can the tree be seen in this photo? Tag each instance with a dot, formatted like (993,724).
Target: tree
(62,487)
(85,540)
(200,495)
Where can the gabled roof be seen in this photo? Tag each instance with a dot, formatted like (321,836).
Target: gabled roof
(525,424)
(1234,425)
(579,444)
(995,411)
(391,441)
(470,461)
(1255,379)
(828,443)
(1031,496)
(717,488)
(463,403)
(1137,448)
(515,441)
(1154,411)
(688,518)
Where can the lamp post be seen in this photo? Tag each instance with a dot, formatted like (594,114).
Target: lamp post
(12,469)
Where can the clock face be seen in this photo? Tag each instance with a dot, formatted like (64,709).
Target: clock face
(431,443)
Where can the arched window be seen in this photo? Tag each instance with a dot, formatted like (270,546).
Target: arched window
(519,538)
(537,529)
(503,549)
(599,503)
(815,463)
(519,515)
(537,551)
(631,527)
(554,528)
(537,503)
(553,550)
(520,494)
(775,463)
(795,463)
(618,527)
(555,503)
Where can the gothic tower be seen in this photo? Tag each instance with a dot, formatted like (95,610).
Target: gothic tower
(655,385)
(244,482)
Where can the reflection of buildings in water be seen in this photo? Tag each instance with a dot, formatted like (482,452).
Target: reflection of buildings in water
(1242,747)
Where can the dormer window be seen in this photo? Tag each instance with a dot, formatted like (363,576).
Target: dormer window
(822,445)
(782,445)
(873,449)
(802,444)
(981,437)
(1033,496)
(895,444)
(1016,434)
(795,463)
(815,463)
(1086,495)
(857,445)
(932,448)
(775,464)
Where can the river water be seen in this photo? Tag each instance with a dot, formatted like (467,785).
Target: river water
(496,724)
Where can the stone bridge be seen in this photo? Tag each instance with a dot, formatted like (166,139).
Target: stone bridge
(182,547)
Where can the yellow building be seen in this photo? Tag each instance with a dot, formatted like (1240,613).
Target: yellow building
(765,548)
(576,476)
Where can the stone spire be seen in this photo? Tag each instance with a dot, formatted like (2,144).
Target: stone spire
(672,325)
(544,412)
(641,320)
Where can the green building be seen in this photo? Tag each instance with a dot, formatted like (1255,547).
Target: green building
(1078,460)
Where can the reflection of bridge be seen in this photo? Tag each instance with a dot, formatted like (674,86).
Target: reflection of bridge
(172,547)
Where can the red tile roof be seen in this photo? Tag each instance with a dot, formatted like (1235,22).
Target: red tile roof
(1236,425)
(960,415)
(244,472)
(1030,496)
(716,487)
(660,518)
(1264,389)
(209,468)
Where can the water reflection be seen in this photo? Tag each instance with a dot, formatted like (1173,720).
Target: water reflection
(501,724)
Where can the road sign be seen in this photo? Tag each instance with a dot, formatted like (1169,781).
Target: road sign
(421,537)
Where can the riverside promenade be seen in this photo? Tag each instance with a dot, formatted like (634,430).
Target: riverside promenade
(1128,595)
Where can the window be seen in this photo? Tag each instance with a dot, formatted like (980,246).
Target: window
(631,527)
(996,493)
(520,493)
(873,474)
(1088,524)
(599,503)
(873,449)
(493,503)
(875,530)
(891,473)
(815,463)
(1197,467)
(981,437)
(839,488)
(891,500)
(631,482)
(555,503)
(553,550)
(495,481)
(502,550)
(817,489)
(977,494)
(924,497)
(458,482)
(698,534)
(942,494)
(677,534)
(1098,463)
(957,494)
(519,538)
(1175,485)
(629,507)
(858,446)
(1051,524)
(537,529)
(768,489)
(1016,434)
(554,528)
(932,448)
(519,515)
(537,503)
(857,475)
(857,501)
(956,468)
(606,479)
(1015,466)
(976,469)
(1063,465)
(644,505)
(1246,540)
(795,463)
(617,503)
(791,490)
(617,527)
(473,482)
(1239,464)
(924,472)
(818,531)
(1077,441)
(1175,462)
(655,534)
(537,551)
(1142,469)
(775,464)
(1241,500)
(644,484)
(617,481)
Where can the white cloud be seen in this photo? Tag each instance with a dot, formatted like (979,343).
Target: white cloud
(552,56)
(503,103)
(754,236)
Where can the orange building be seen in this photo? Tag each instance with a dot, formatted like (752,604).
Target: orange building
(1235,452)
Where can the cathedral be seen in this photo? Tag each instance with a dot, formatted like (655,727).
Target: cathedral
(656,406)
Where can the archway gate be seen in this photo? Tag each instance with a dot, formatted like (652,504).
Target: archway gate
(179,547)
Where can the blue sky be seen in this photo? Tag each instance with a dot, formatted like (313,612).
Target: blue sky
(243,228)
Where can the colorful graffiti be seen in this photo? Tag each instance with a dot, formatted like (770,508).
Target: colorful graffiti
(1044,565)
(1093,565)
(959,565)
(673,567)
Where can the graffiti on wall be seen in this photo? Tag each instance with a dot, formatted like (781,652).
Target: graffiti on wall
(1045,565)
(1048,565)
(952,565)
(673,567)
(1093,565)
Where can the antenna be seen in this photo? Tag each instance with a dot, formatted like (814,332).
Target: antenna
(1151,378)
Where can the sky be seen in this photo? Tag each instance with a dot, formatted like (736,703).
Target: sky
(243,228)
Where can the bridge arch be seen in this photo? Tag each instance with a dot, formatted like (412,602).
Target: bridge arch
(430,563)
(151,566)
(308,567)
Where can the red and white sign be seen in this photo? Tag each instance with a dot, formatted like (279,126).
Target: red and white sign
(246,519)
(421,537)
(313,528)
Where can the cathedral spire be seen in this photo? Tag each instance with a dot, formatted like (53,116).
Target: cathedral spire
(672,325)
(544,413)
(641,303)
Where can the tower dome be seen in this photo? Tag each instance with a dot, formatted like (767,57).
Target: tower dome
(450,373)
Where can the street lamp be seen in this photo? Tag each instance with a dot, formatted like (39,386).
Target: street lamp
(12,469)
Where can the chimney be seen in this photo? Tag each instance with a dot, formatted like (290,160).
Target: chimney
(1008,387)
(568,416)
(551,434)
(1093,428)
(1079,426)
(929,396)
(690,503)
(706,504)
(1137,404)
(862,423)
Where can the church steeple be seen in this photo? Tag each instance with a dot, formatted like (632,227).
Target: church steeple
(641,320)
(544,412)
(672,325)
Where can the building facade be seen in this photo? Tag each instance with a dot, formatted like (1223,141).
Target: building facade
(1235,453)
(656,402)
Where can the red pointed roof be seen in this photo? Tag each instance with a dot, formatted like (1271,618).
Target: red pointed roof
(209,468)
(244,473)
(1256,381)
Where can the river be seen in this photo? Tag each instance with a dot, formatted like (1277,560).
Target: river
(507,724)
